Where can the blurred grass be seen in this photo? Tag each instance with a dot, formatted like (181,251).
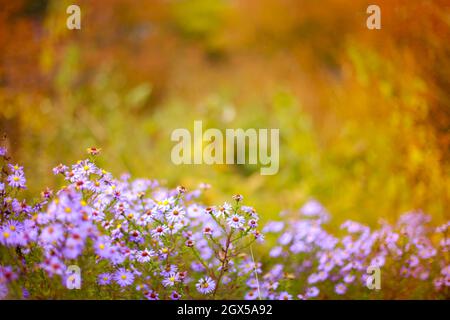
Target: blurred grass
(363,115)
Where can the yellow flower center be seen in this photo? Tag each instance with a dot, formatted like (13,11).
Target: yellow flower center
(68,210)
(101,246)
(16,178)
(5,234)
(123,277)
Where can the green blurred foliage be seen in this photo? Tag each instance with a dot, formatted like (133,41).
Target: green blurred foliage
(363,115)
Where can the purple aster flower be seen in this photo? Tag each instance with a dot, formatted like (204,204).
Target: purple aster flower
(102,247)
(115,255)
(206,252)
(17,180)
(226,279)
(20,206)
(353,227)
(207,230)
(236,221)
(258,235)
(159,231)
(123,277)
(176,214)
(135,236)
(167,270)
(250,210)
(270,285)
(326,266)
(252,283)
(72,248)
(197,267)
(349,278)
(7,274)
(438,283)
(52,233)
(171,279)
(84,168)
(53,266)
(252,223)
(15,168)
(194,211)
(273,227)
(238,197)
(175,296)
(340,288)
(276,251)
(69,207)
(313,208)
(312,292)
(165,203)
(392,238)
(10,233)
(285,296)
(313,278)
(443,228)
(223,211)
(189,243)
(104,279)
(427,252)
(285,238)
(251,295)
(3,151)
(60,169)
(141,287)
(413,261)
(144,255)
(205,285)
(152,295)
(248,266)
(25,293)
(204,186)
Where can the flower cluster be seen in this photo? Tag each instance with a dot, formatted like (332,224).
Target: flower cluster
(158,243)
(138,239)
(330,266)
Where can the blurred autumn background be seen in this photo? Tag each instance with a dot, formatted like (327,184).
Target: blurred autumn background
(364,115)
